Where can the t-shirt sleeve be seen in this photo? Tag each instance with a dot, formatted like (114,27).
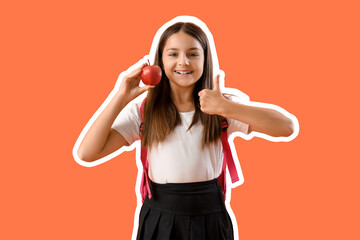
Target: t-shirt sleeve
(127,123)
(235,125)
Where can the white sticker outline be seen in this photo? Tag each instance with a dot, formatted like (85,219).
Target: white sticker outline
(216,70)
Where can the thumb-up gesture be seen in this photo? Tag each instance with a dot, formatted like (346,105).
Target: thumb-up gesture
(211,100)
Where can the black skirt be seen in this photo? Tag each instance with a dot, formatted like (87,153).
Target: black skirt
(185,211)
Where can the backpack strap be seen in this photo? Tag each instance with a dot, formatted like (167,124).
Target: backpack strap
(145,180)
(228,159)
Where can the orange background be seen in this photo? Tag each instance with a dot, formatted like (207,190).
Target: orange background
(60,60)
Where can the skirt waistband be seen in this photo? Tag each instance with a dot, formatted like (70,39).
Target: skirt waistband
(194,198)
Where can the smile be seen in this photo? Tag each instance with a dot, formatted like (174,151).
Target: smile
(183,72)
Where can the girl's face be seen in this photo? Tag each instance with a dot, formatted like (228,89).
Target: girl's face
(183,60)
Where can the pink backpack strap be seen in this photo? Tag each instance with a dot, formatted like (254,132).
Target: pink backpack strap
(145,181)
(228,159)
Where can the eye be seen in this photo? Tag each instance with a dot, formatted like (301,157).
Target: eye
(194,54)
(172,54)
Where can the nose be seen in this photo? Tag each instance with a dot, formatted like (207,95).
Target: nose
(183,60)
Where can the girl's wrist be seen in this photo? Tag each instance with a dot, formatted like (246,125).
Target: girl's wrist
(122,96)
(224,107)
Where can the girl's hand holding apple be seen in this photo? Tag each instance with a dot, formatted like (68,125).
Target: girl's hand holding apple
(129,87)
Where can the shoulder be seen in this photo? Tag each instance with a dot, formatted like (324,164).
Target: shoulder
(133,107)
(131,111)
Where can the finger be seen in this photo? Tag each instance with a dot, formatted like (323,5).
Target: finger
(202,92)
(146,88)
(141,65)
(137,71)
(216,83)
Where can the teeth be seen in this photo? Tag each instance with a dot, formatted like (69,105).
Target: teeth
(180,72)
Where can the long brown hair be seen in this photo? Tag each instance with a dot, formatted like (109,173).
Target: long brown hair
(160,113)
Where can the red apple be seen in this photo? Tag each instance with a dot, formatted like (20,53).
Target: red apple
(151,75)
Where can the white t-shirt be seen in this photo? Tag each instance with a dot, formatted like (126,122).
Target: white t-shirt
(179,158)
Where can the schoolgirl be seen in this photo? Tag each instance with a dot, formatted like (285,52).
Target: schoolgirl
(181,123)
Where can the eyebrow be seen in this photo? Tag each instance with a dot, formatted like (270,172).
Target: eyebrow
(194,48)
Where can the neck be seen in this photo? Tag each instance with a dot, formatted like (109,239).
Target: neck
(183,99)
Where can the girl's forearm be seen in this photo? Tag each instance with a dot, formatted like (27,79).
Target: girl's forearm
(96,137)
(263,120)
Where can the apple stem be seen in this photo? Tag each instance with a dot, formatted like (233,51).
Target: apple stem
(149,62)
